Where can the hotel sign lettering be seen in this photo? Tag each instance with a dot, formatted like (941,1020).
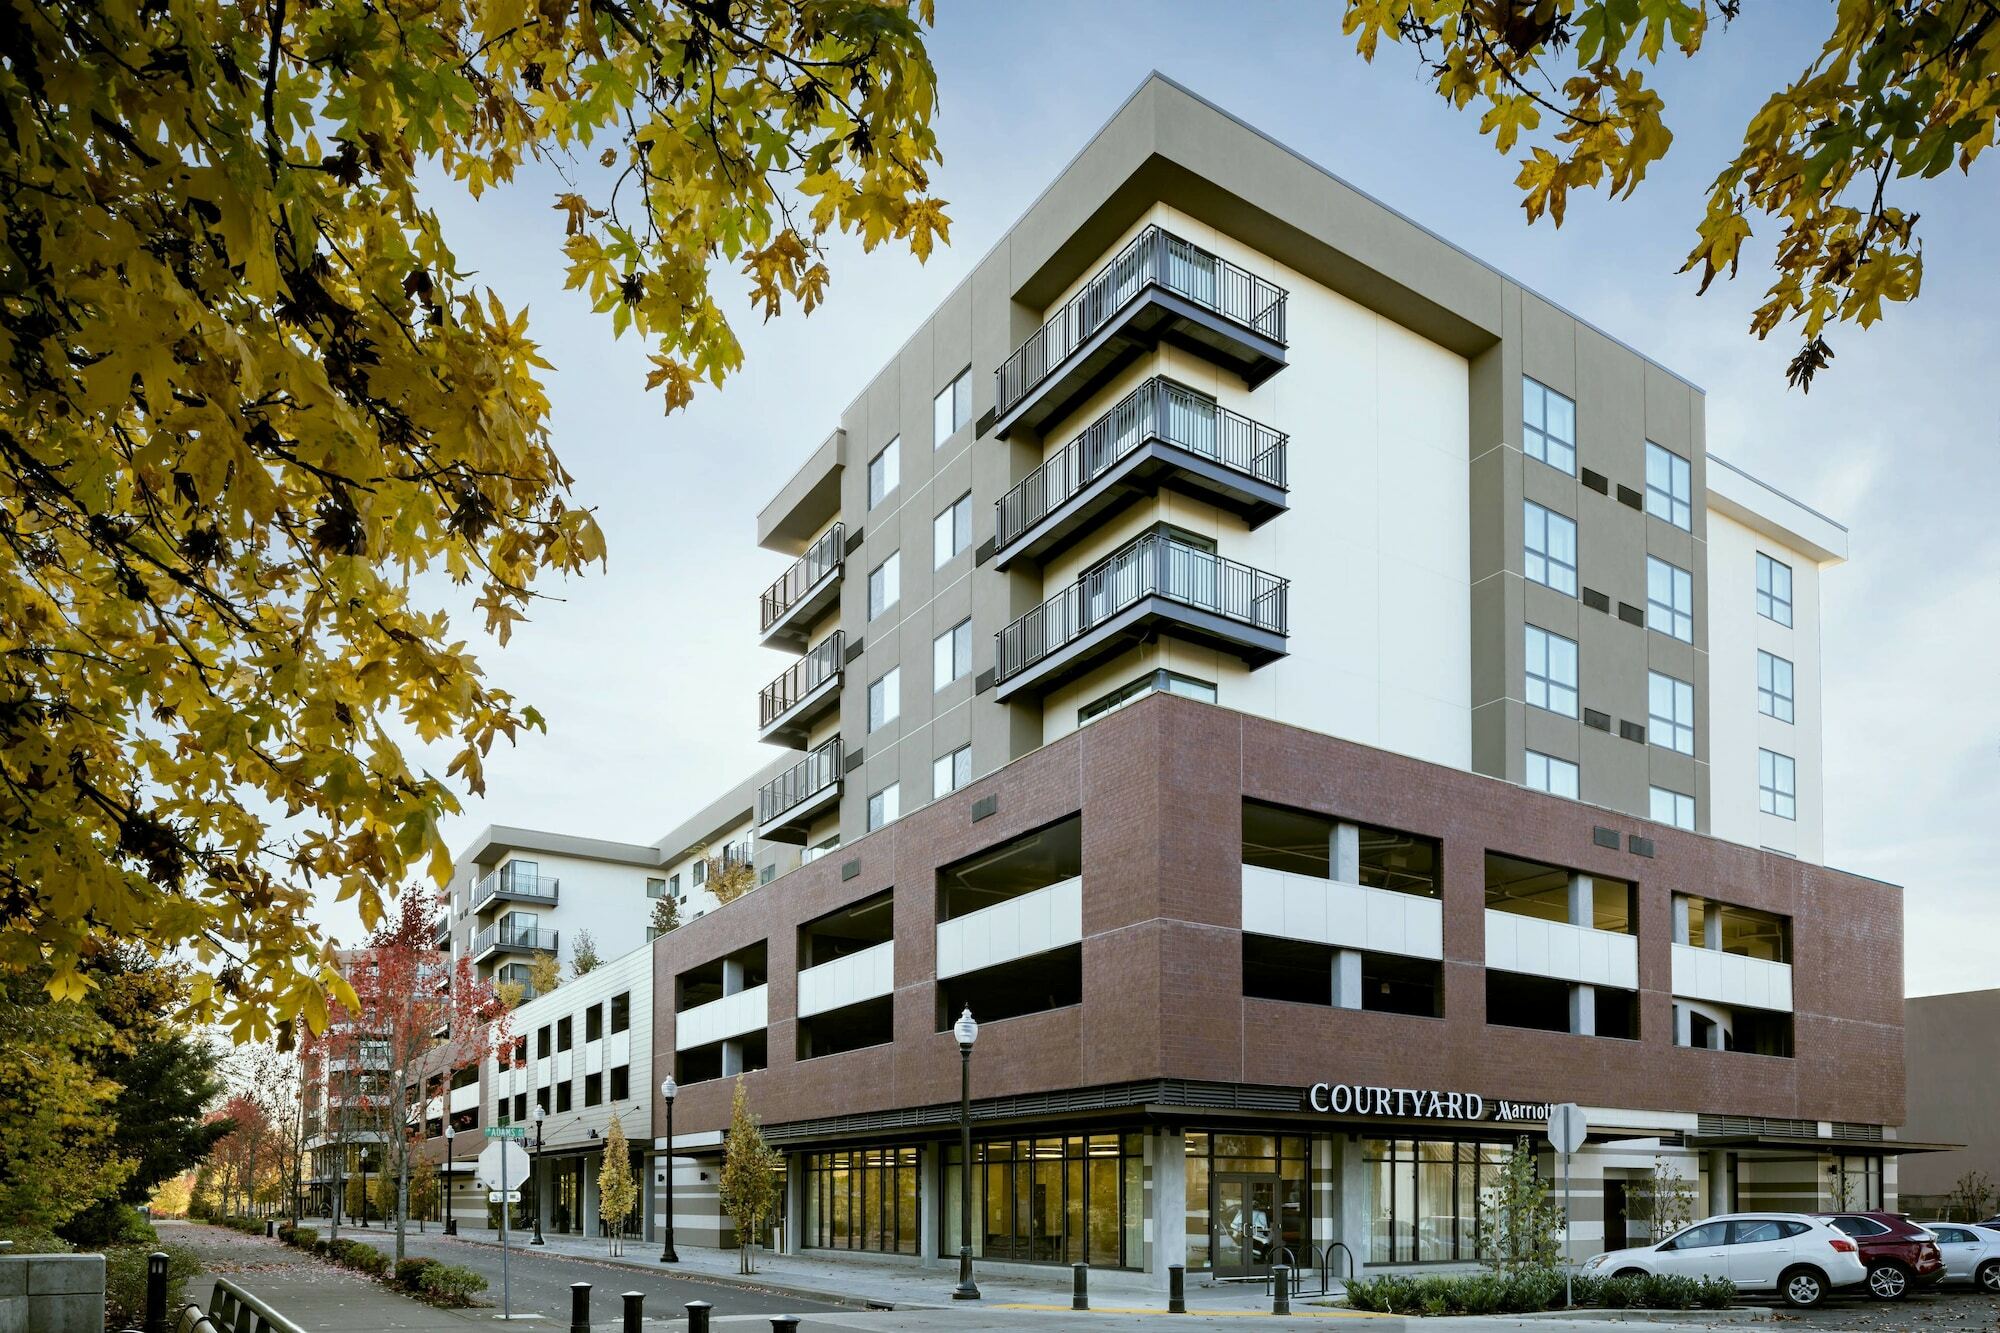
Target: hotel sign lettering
(1419,1104)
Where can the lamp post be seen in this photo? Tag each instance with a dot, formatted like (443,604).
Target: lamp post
(967,1032)
(541,1114)
(450,1223)
(668,1091)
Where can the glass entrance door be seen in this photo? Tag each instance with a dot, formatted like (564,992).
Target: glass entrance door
(1245,1211)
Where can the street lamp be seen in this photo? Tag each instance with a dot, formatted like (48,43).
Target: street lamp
(967,1032)
(450,1223)
(535,1172)
(668,1091)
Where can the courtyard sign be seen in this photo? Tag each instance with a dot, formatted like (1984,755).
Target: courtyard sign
(1419,1104)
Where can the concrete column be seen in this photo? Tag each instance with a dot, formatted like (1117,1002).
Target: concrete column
(1583,1009)
(1582,998)
(1711,928)
(1683,1026)
(1325,1178)
(1681,914)
(1716,1163)
(930,1200)
(1355,1189)
(1169,1172)
(1715,1037)
(732,976)
(732,1058)
(1582,901)
(795,1205)
(591,1226)
(1346,979)
(1344,853)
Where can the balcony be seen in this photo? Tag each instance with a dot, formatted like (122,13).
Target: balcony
(1158,289)
(1156,585)
(808,690)
(1162,434)
(788,608)
(498,939)
(510,884)
(787,803)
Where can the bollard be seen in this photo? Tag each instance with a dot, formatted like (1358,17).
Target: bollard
(1176,1289)
(579,1307)
(1281,1289)
(270,1227)
(698,1316)
(784,1323)
(156,1292)
(1079,1286)
(635,1310)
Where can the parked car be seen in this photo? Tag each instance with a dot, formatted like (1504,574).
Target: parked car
(1971,1252)
(1900,1255)
(1799,1258)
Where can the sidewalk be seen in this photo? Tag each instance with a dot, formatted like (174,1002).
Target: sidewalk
(311,1294)
(881,1281)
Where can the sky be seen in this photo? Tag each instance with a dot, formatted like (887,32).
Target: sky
(647,671)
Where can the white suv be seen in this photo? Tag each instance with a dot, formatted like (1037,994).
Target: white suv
(1794,1256)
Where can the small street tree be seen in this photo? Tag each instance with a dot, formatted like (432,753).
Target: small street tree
(583,955)
(748,1190)
(424,1197)
(1971,1197)
(1665,1200)
(1520,1224)
(616,1190)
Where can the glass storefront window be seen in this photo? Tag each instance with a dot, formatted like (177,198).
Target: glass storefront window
(865,1199)
(1053,1200)
(1248,1197)
(1425,1193)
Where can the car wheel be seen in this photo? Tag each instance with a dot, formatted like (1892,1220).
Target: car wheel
(1888,1282)
(1988,1276)
(1630,1272)
(1803,1288)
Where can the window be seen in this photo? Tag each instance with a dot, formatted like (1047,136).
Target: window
(1707,1236)
(1670,807)
(1548,426)
(562,1096)
(1557,777)
(1427,1198)
(1774,686)
(593,1023)
(951,771)
(1153,682)
(563,1034)
(885,584)
(951,654)
(1551,671)
(520,1107)
(951,530)
(621,1083)
(884,806)
(1669,487)
(1048,1200)
(1774,589)
(542,1042)
(699,873)
(866,1200)
(655,888)
(885,698)
(621,1011)
(1777,784)
(1550,558)
(1670,712)
(952,408)
(1669,599)
(674,886)
(542,1098)
(883,472)
(593,1089)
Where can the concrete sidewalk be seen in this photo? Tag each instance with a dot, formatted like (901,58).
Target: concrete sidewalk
(307,1291)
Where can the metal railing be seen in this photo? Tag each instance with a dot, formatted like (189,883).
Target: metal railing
(1159,409)
(821,558)
(519,883)
(801,782)
(801,678)
(514,937)
(1154,258)
(1153,566)
(231,1309)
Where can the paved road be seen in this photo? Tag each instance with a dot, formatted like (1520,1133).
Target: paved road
(1953,1310)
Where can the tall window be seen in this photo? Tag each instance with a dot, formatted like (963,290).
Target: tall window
(1774,686)
(885,806)
(1550,538)
(1777,784)
(885,703)
(1669,487)
(884,471)
(1774,589)
(1548,426)
(1551,671)
(1427,1198)
(699,873)
(1083,1200)
(951,654)
(865,1199)
(951,771)
(563,1031)
(593,1023)
(1671,807)
(1670,712)
(885,584)
(951,530)
(1557,777)
(1669,599)
(621,1011)
(952,408)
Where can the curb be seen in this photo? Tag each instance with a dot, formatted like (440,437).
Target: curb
(1735,1314)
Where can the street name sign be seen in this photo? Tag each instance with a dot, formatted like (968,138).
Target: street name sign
(506,1131)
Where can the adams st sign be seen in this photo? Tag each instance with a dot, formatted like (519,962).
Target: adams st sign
(1420,1104)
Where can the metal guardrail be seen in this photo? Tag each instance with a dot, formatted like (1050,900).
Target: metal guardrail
(1155,257)
(546,888)
(531,937)
(802,678)
(801,782)
(821,558)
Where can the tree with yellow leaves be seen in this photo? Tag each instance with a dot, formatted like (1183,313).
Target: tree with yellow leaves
(248,396)
(617,1192)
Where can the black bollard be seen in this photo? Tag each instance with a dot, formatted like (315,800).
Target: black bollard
(784,1323)
(156,1292)
(579,1307)
(1079,1286)
(1176,1289)
(635,1310)
(698,1316)
(1281,1289)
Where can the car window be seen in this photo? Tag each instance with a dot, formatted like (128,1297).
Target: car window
(1795,1228)
(1696,1238)
(1952,1235)
(1860,1226)
(1754,1230)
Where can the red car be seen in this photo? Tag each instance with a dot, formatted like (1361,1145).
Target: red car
(1899,1254)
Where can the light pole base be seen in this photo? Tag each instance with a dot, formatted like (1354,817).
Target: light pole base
(967,1289)
(451,1227)
(668,1256)
(965,1293)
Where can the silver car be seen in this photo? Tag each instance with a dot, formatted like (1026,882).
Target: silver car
(1971,1253)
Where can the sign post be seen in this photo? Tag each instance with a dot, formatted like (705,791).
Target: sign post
(1567,1130)
(503,1163)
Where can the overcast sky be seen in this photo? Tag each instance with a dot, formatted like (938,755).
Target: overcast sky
(648,672)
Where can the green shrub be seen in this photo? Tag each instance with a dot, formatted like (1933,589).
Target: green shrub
(1526,1290)
(303,1237)
(365,1258)
(410,1272)
(125,1280)
(449,1285)
(322,1248)
(1714,1293)
(34,1240)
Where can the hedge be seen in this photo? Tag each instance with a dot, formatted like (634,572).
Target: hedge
(125,1280)
(1534,1289)
(449,1285)
(409,1272)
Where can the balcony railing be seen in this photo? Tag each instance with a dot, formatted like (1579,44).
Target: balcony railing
(501,936)
(515,884)
(1154,258)
(801,679)
(821,558)
(800,783)
(1153,566)
(1161,410)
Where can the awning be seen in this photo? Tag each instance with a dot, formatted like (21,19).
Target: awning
(1858,1147)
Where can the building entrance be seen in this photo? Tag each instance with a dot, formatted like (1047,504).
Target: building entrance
(1246,1213)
